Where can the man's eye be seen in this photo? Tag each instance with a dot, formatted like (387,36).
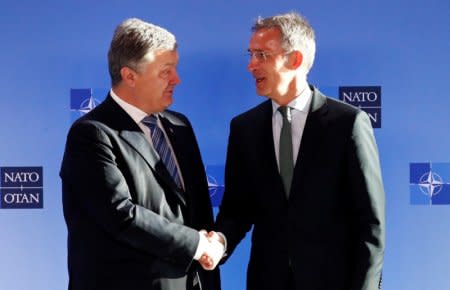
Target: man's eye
(165,73)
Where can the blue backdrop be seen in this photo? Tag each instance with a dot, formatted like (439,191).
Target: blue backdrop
(48,48)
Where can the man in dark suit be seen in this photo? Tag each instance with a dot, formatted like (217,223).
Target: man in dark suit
(303,170)
(135,193)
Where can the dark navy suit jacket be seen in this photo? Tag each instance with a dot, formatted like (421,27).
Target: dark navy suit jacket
(330,232)
(129,227)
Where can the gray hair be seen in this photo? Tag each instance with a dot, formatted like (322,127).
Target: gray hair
(133,39)
(296,34)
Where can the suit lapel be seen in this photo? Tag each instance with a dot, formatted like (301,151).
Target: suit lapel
(138,142)
(132,134)
(312,140)
(272,178)
(177,134)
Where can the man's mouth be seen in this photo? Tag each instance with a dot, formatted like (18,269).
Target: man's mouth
(259,80)
(169,90)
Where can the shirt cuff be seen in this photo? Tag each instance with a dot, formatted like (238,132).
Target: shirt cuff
(225,243)
(201,247)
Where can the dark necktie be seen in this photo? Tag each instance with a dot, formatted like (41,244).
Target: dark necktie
(285,150)
(161,146)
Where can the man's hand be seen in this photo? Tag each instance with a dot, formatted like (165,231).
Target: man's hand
(213,252)
(212,235)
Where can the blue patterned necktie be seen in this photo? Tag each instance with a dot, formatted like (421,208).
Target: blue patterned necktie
(162,147)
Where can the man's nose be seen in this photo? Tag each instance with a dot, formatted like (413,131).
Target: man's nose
(252,63)
(176,78)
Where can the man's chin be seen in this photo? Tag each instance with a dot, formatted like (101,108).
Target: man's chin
(168,100)
(261,93)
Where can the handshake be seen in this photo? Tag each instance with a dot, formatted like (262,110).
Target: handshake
(213,249)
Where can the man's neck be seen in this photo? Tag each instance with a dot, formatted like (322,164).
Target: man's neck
(296,90)
(123,93)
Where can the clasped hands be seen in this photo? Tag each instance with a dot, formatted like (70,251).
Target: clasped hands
(213,251)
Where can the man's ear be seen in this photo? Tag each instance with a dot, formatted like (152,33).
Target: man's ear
(295,59)
(128,76)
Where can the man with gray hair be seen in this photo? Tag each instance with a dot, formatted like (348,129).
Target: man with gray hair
(303,170)
(135,193)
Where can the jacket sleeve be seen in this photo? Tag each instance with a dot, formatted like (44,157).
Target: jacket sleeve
(234,218)
(368,199)
(91,174)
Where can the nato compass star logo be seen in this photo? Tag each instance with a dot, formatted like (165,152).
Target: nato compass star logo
(214,175)
(87,105)
(212,185)
(430,183)
(82,101)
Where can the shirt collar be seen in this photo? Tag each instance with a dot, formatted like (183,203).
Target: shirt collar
(299,103)
(135,113)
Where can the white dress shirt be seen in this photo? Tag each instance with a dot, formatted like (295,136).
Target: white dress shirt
(299,111)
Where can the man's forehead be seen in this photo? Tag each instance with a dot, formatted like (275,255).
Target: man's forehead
(164,56)
(266,38)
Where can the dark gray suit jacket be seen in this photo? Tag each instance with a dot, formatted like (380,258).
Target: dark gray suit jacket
(128,225)
(331,229)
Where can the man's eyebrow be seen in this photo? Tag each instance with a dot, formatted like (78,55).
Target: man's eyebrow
(169,64)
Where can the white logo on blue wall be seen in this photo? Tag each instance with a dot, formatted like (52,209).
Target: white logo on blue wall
(82,101)
(429,183)
(212,185)
(87,105)
(367,98)
(214,175)
(21,187)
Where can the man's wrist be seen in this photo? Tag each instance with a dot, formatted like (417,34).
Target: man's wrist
(224,241)
(201,247)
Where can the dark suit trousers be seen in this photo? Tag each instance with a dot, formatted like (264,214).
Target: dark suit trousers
(290,282)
